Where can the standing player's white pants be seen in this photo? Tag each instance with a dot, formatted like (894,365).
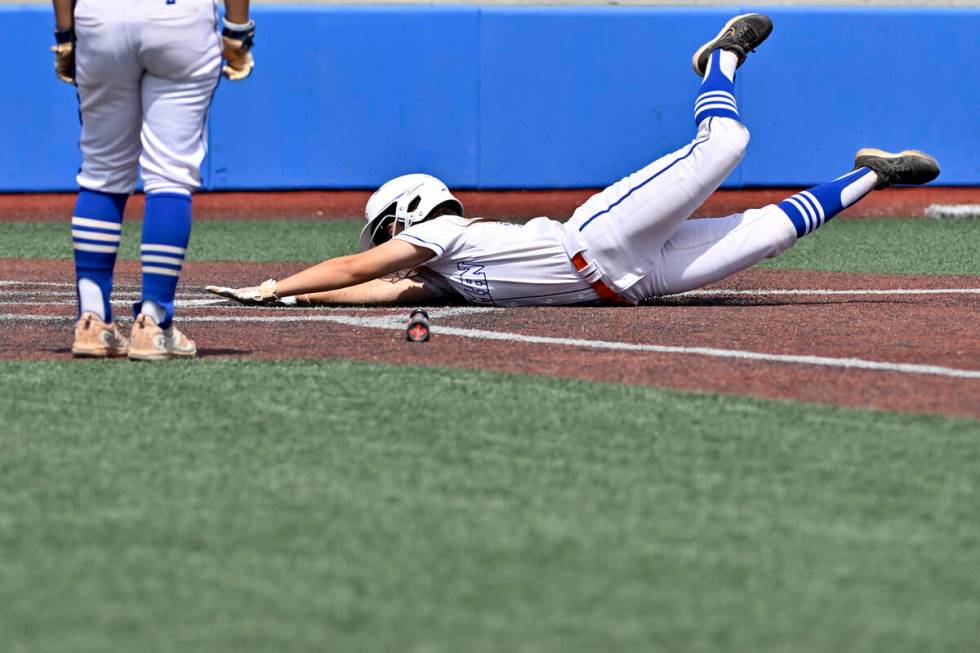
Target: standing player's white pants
(146,71)
(637,234)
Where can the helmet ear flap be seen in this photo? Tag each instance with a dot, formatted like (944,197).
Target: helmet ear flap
(378,228)
(380,235)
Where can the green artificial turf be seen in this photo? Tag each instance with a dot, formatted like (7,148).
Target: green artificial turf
(339,506)
(913,246)
(246,240)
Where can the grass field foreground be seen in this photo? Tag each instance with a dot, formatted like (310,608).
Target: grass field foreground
(331,505)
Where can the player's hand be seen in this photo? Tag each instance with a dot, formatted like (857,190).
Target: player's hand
(237,45)
(64,56)
(249,296)
(264,295)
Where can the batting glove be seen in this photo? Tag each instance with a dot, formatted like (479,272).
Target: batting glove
(64,55)
(264,295)
(237,40)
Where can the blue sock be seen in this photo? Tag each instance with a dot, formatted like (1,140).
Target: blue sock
(96,225)
(717,94)
(166,232)
(810,209)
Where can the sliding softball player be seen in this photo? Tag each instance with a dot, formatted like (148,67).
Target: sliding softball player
(146,71)
(632,241)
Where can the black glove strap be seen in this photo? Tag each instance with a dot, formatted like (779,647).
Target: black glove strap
(62,36)
(246,36)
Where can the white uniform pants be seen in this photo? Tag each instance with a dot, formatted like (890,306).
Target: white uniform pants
(636,231)
(146,71)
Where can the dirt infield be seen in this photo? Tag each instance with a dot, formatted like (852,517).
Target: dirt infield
(327,205)
(902,343)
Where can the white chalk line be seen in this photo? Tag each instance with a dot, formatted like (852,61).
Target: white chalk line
(398,323)
(953,211)
(397,314)
(762,292)
(825,361)
(206,300)
(8,282)
(47,295)
(222,304)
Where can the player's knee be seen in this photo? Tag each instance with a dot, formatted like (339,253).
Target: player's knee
(166,172)
(183,182)
(775,229)
(742,137)
(733,134)
(165,186)
(783,238)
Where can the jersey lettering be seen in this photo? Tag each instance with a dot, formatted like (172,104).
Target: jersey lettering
(474,282)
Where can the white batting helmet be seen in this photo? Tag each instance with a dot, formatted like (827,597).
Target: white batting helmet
(407,200)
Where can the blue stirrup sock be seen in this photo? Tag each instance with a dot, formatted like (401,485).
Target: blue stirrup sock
(717,94)
(166,232)
(810,209)
(96,225)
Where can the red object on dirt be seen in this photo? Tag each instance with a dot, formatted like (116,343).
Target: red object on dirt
(418,326)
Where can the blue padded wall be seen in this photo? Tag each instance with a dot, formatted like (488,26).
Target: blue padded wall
(518,97)
(38,114)
(343,97)
(840,79)
(580,97)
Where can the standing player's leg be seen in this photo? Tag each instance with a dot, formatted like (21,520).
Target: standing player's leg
(180,52)
(624,226)
(107,77)
(705,251)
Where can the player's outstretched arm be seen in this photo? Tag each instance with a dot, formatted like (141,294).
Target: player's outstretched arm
(376,292)
(346,271)
(358,277)
(237,35)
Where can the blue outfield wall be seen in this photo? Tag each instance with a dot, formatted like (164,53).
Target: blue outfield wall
(516,97)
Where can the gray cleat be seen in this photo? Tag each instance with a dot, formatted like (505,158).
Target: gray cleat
(905,167)
(741,35)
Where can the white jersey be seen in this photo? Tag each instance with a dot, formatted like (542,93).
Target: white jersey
(501,263)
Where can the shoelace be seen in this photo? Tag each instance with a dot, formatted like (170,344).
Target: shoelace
(745,33)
